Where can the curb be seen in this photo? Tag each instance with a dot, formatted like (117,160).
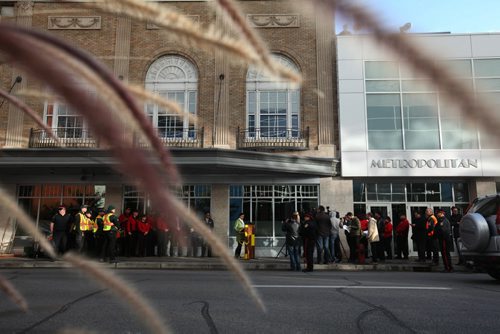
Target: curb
(253,265)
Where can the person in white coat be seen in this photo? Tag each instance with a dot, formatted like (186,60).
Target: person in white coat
(373,237)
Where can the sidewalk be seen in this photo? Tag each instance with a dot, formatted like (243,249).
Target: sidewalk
(214,263)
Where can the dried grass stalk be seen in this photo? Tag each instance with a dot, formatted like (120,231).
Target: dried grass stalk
(230,9)
(95,71)
(219,248)
(95,110)
(455,91)
(181,27)
(122,289)
(30,112)
(13,294)
(26,222)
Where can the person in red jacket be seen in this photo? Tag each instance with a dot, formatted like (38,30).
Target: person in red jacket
(143,228)
(162,233)
(131,234)
(388,237)
(402,230)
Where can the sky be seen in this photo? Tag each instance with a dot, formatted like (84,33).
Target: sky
(425,16)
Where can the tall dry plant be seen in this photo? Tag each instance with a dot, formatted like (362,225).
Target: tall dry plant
(144,174)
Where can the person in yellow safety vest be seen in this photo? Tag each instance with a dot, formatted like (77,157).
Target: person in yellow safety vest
(98,231)
(79,227)
(239,227)
(110,226)
(432,236)
(88,234)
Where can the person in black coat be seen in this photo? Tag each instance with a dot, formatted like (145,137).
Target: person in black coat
(419,234)
(308,230)
(443,232)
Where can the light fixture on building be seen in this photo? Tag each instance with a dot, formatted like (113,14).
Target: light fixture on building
(405,28)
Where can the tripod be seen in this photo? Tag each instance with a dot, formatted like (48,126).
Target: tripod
(285,253)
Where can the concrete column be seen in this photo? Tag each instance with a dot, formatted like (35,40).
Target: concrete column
(7,227)
(484,187)
(15,119)
(122,48)
(325,70)
(114,196)
(337,194)
(220,131)
(220,210)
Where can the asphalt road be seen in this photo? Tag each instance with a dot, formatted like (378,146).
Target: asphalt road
(213,302)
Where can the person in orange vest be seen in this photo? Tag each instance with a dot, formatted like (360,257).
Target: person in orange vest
(432,236)
(110,227)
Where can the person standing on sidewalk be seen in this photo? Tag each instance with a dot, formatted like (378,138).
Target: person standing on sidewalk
(130,229)
(323,241)
(443,232)
(110,227)
(388,237)
(373,237)
(59,227)
(419,234)
(291,227)
(402,230)
(455,219)
(239,227)
(308,230)
(206,248)
(381,244)
(335,237)
(432,241)
(354,236)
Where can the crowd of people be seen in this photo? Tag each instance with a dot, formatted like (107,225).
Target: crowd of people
(370,235)
(102,234)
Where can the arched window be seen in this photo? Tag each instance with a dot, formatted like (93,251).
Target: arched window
(273,107)
(174,78)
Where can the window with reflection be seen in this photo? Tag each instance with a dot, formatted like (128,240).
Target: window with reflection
(174,78)
(273,106)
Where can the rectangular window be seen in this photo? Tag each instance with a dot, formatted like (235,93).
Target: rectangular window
(273,113)
(384,121)
(381,69)
(457,132)
(420,121)
(487,67)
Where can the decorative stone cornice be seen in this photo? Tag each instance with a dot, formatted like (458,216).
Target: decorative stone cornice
(152,26)
(74,22)
(274,20)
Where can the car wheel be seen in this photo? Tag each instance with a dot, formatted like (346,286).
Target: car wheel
(494,272)
(474,232)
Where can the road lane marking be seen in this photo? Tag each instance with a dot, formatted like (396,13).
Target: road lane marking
(387,287)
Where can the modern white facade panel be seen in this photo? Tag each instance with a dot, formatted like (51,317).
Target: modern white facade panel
(360,161)
(485,45)
(353,122)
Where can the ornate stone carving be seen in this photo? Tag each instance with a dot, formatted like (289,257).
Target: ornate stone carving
(152,26)
(274,20)
(24,8)
(74,22)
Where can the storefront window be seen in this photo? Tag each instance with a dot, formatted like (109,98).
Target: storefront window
(196,197)
(267,206)
(41,201)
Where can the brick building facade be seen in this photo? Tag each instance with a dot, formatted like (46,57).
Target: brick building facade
(247,151)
